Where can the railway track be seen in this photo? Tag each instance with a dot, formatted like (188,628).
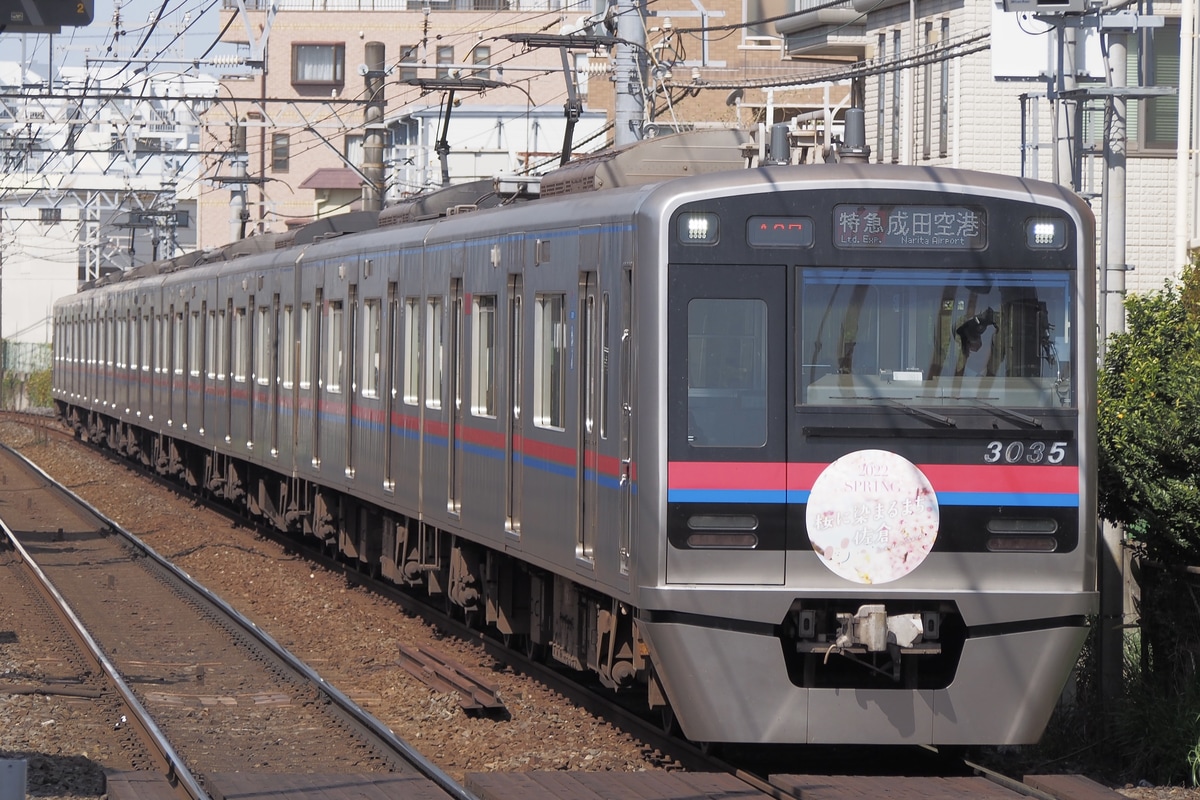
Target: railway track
(774,777)
(206,690)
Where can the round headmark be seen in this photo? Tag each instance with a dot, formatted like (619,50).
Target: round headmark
(872,516)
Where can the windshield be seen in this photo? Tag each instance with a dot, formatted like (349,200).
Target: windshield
(935,337)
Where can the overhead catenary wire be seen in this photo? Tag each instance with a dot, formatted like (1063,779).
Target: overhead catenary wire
(663,89)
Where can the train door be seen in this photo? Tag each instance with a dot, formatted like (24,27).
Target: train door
(109,355)
(87,353)
(100,396)
(146,383)
(625,422)
(454,391)
(161,384)
(94,341)
(277,347)
(249,357)
(108,384)
(262,383)
(353,377)
(141,366)
(191,380)
(177,392)
(408,453)
(391,363)
(113,347)
(285,390)
(197,366)
(133,330)
(727,381)
(587,467)
(513,456)
(228,351)
(121,365)
(116,359)
(318,320)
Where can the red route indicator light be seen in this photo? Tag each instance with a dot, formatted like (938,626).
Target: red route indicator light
(779,232)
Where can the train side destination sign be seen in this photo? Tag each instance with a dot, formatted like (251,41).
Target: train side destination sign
(44,16)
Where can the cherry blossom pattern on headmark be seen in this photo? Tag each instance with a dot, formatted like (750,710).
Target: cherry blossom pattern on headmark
(872,516)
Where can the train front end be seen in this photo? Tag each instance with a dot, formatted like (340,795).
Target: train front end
(868,396)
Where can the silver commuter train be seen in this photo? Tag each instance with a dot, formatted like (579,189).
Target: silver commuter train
(805,453)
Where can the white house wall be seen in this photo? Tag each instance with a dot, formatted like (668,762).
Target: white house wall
(984,130)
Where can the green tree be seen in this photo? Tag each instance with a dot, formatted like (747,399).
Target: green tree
(1149,442)
(39,389)
(1149,423)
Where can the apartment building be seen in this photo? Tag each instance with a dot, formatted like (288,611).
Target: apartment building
(451,98)
(470,89)
(964,83)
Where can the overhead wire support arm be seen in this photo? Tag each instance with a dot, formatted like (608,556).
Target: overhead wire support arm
(573,108)
(258,44)
(450,86)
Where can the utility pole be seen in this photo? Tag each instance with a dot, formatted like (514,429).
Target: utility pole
(240,214)
(1115,25)
(1064,116)
(1112,210)
(373,73)
(629,72)
(1185,149)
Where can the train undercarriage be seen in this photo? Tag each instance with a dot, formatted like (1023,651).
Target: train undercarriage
(528,608)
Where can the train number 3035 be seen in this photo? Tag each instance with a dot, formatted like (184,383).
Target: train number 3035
(1030,453)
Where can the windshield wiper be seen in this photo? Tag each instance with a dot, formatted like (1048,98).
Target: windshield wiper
(1007,413)
(916,411)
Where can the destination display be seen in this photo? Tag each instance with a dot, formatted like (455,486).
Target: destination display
(779,232)
(904,227)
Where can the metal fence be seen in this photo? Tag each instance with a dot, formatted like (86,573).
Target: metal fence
(26,358)
(24,383)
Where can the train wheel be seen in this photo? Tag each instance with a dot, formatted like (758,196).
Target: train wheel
(667,720)
(534,651)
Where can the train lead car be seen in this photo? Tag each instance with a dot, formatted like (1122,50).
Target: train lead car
(802,453)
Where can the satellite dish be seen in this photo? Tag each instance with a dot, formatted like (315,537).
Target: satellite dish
(733,97)
(362,70)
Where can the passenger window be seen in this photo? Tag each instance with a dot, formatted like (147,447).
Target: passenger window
(727,373)
(549,369)
(286,352)
(412,350)
(433,354)
(240,345)
(177,350)
(371,343)
(306,334)
(334,349)
(483,357)
(262,347)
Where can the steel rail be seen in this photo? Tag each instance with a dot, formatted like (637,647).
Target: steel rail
(356,714)
(172,765)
